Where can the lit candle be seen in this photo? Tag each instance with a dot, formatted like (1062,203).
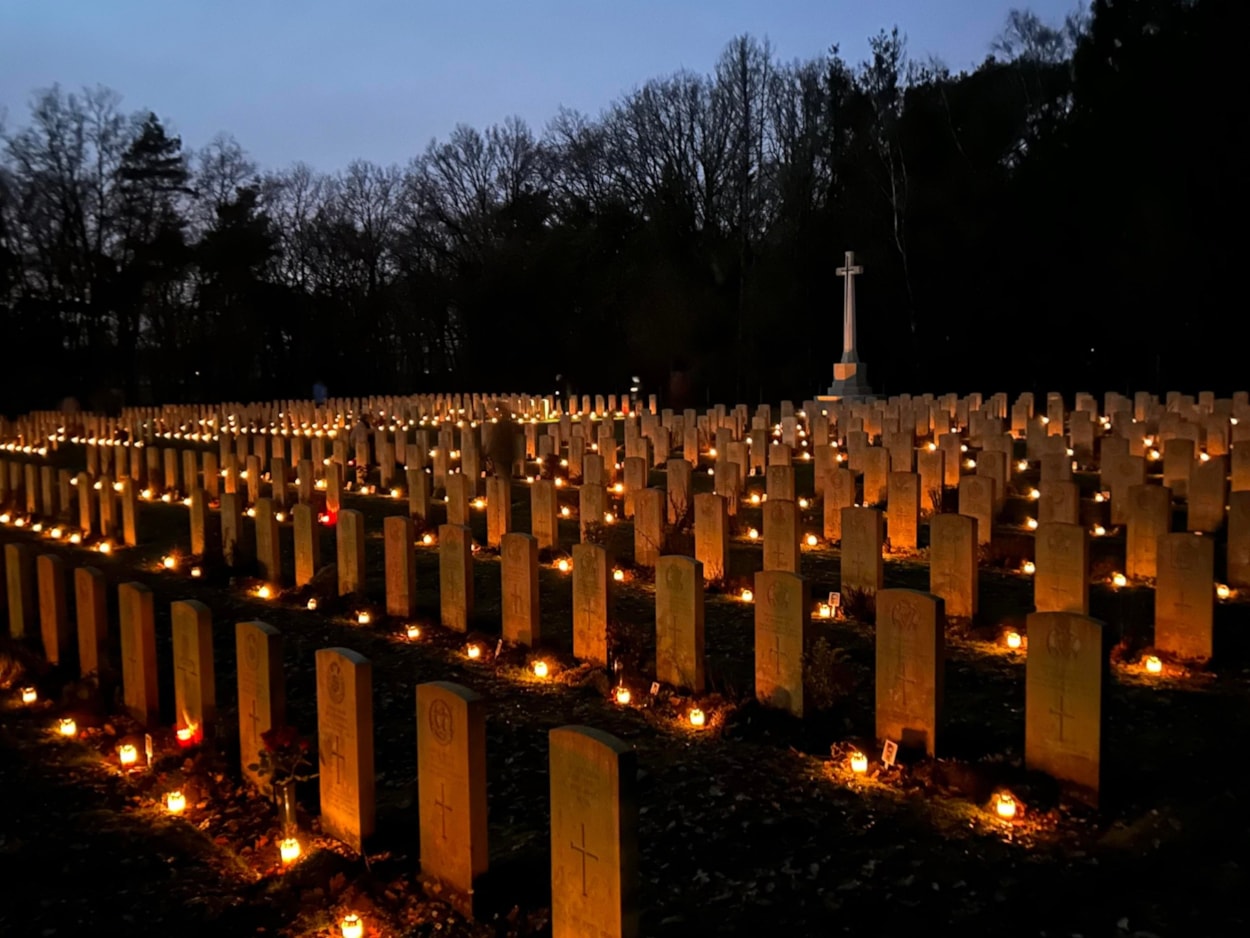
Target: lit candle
(623,695)
(812,540)
(1030,567)
(697,717)
(127,754)
(105,547)
(1031,524)
(352,926)
(825,611)
(859,762)
(618,575)
(474,651)
(196,573)
(562,565)
(67,727)
(540,669)
(753,534)
(1222,591)
(169,562)
(312,604)
(414,632)
(289,849)
(565,511)
(29,695)
(1119,579)
(263,592)
(363,618)
(175,802)
(747,595)
(1014,640)
(1005,805)
(1154,665)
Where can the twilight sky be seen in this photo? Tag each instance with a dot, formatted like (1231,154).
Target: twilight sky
(326,81)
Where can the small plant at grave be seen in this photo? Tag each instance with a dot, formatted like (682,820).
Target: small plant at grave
(677,540)
(860,605)
(627,645)
(935,501)
(11,668)
(596,533)
(685,514)
(284,755)
(827,675)
(420,526)
(549,467)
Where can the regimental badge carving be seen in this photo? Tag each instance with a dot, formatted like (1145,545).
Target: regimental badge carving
(440,722)
(1062,641)
(336,685)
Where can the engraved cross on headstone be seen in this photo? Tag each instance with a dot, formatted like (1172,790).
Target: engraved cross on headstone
(515,598)
(589,605)
(902,674)
(586,854)
(187,667)
(443,807)
(335,753)
(254,717)
(132,658)
(774,653)
(1062,715)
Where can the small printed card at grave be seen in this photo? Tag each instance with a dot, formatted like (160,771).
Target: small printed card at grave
(889,753)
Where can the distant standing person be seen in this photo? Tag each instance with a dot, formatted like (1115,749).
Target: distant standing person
(360,443)
(319,393)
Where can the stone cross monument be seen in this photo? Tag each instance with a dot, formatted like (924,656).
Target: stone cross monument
(850,375)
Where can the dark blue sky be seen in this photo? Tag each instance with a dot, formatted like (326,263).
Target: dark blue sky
(326,81)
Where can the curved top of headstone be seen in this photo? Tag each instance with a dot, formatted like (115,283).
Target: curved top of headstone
(354,657)
(466,694)
(591,735)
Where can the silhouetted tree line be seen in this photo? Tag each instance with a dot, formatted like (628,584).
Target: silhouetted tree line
(1063,217)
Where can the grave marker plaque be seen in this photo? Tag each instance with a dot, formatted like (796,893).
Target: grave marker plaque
(345,745)
(780,638)
(594,835)
(679,622)
(1065,679)
(910,653)
(451,788)
(262,691)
